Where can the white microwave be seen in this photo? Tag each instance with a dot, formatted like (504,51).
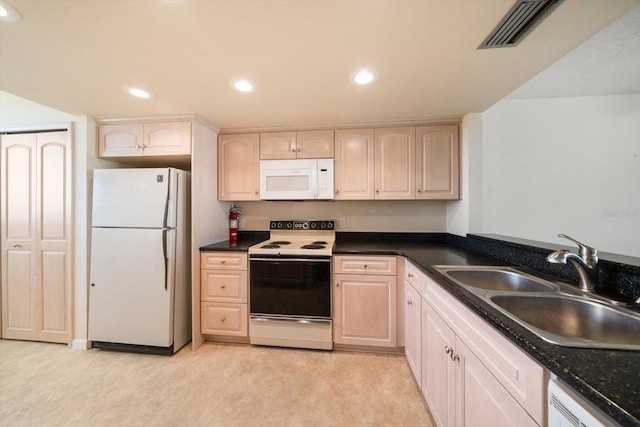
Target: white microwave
(300,179)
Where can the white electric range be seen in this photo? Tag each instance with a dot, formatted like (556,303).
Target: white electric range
(290,285)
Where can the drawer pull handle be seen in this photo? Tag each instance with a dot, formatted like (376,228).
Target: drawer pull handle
(448,349)
(409,302)
(364,266)
(223,286)
(410,275)
(223,261)
(454,358)
(223,319)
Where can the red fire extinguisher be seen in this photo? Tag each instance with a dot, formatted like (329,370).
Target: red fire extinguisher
(234,212)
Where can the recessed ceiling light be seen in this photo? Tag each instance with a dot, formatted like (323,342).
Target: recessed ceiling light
(140,93)
(8,12)
(364,76)
(243,85)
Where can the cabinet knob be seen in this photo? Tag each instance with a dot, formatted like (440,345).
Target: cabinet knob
(223,286)
(419,190)
(223,261)
(337,285)
(298,150)
(377,191)
(448,349)
(337,191)
(293,149)
(410,275)
(223,319)
(454,358)
(17,246)
(364,266)
(409,302)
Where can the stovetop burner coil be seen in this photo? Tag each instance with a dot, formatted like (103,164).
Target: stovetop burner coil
(312,246)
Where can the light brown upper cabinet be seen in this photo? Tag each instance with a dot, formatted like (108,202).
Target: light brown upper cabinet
(239,167)
(144,139)
(354,164)
(437,162)
(395,167)
(317,144)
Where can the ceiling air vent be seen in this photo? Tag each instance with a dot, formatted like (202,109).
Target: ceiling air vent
(521,19)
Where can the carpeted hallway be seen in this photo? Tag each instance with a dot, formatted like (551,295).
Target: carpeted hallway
(217,385)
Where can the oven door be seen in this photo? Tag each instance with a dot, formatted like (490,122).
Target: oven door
(290,287)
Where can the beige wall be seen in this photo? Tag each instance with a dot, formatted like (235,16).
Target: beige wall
(406,215)
(564,165)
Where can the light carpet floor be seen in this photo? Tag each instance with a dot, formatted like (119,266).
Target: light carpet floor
(217,385)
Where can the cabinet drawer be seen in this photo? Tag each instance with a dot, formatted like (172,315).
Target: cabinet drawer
(223,260)
(413,276)
(224,286)
(365,265)
(224,319)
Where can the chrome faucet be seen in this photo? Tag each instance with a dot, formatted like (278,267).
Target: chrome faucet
(586,263)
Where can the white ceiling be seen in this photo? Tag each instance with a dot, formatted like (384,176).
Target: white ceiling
(76,56)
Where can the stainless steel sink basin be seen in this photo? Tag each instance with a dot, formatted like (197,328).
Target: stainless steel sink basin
(572,321)
(497,279)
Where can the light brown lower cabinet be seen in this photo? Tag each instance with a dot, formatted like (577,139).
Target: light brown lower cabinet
(471,375)
(224,294)
(364,301)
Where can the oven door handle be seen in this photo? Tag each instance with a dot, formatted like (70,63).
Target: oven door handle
(278,259)
(290,319)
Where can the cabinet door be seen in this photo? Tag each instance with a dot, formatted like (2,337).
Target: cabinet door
(412,335)
(395,163)
(239,167)
(278,145)
(167,139)
(365,310)
(482,399)
(120,140)
(354,165)
(437,163)
(316,144)
(438,370)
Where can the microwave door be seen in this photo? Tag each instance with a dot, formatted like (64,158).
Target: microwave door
(281,180)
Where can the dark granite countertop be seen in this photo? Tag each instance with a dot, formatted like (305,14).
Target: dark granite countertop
(610,379)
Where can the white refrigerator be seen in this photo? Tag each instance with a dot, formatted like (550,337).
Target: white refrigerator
(140,280)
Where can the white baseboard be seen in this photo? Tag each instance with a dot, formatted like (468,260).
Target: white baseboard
(80,344)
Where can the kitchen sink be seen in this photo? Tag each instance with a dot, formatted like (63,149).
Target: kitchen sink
(572,321)
(556,312)
(496,279)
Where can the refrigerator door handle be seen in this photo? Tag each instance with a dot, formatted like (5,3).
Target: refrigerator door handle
(164,259)
(166,200)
